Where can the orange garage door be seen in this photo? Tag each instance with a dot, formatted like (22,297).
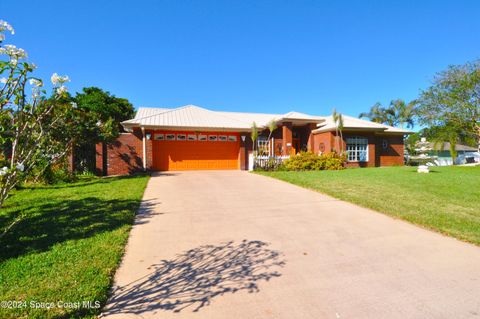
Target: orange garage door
(183,154)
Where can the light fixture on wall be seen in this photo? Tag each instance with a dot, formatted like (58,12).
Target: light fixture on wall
(243,137)
(148,136)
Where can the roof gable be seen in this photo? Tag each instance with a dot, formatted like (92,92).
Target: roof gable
(350,122)
(189,116)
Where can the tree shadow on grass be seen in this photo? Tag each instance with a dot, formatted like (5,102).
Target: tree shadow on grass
(83,181)
(46,225)
(195,277)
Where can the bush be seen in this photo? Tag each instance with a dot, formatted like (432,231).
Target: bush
(308,161)
(50,174)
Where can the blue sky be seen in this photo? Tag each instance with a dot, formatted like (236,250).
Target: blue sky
(258,56)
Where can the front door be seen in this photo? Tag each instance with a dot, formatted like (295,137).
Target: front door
(296,146)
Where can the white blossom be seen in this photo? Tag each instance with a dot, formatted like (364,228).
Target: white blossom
(57,79)
(3,80)
(61,90)
(74,105)
(4,25)
(13,52)
(2,37)
(20,167)
(3,171)
(35,82)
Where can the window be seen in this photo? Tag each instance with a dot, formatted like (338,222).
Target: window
(262,144)
(202,137)
(192,137)
(232,138)
(212,138)
(170,137)
(158,137)
(357,149)
(181,137)
(222,138)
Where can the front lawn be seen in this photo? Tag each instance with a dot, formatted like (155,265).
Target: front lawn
(446,200)
(67,247)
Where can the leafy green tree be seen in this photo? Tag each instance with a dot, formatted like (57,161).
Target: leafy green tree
(453,101)
(104,107)
(98,120)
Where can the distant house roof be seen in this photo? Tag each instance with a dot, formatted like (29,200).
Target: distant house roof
(198,118)
(446,147)
(353,123)
(195,117)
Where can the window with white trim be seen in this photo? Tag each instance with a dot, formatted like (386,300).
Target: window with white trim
(357,149)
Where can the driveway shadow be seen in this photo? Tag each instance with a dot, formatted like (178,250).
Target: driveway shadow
(195,277)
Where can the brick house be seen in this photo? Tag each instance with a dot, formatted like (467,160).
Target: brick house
(194,138)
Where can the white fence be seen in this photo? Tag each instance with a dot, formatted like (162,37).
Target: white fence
(267,162)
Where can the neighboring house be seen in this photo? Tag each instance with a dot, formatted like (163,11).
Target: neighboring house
(194,138)
(465,154)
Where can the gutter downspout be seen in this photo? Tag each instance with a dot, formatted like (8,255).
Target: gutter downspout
(144,157)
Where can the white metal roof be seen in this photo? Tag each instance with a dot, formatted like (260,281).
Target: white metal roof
(195,117)
(191,116)
(147,111)
(188,116)
(350,122)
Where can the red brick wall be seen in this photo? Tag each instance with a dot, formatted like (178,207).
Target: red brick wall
(377,154)
(392,152)
(100,161)
(322,141)
(124,156)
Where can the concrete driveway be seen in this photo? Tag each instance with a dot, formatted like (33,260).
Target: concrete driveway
(232,244)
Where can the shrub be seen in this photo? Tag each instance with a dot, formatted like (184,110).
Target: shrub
(50,174)
(308,161)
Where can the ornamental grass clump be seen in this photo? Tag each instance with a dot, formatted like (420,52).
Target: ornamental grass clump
(308,161)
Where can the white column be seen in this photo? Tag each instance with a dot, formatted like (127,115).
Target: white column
(144,149)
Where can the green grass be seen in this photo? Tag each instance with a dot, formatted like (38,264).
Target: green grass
(447,200)
(67,246)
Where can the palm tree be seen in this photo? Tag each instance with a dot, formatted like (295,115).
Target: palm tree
(377,114)
(403,112)
(338,120)
(272,126)
(398,113)
(254,135)
(340,129)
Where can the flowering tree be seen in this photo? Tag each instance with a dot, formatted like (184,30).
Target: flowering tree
(33,128)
